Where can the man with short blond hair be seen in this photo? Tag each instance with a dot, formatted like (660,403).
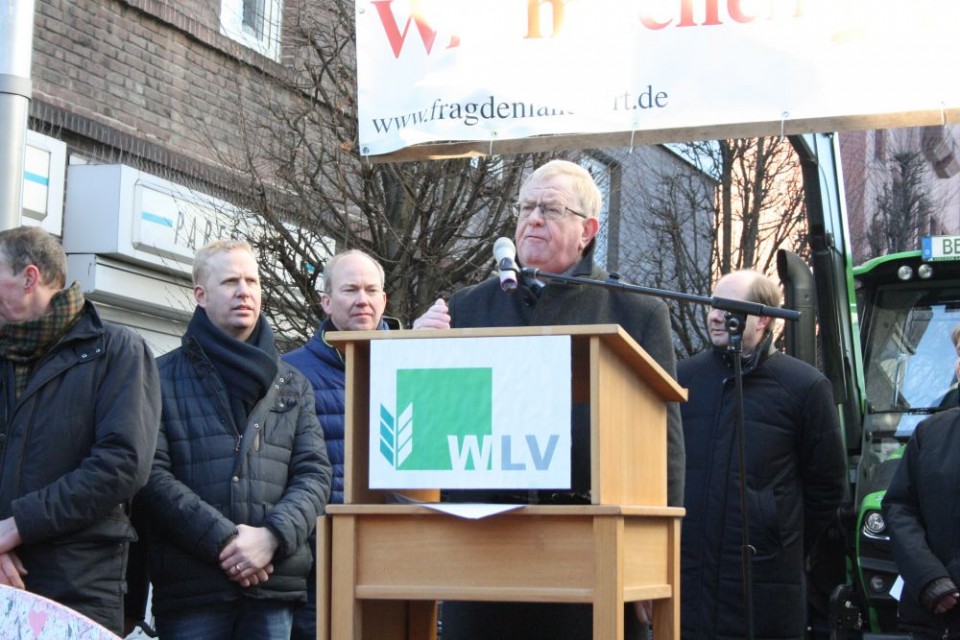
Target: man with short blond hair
(241,470)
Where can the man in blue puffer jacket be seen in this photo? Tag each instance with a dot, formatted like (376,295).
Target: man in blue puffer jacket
(354,300)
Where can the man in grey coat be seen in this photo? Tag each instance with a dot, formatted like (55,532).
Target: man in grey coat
(557,223)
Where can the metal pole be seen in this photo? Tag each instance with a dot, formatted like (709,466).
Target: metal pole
(16,51)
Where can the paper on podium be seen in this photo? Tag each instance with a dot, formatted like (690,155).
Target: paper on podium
(33,617)
(470,510)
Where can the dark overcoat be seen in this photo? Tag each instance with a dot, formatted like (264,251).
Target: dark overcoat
(795,482)
(646,320)
(922,511)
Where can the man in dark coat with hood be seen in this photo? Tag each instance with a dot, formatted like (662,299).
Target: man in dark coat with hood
(241,470)
(794,476)
(557,221)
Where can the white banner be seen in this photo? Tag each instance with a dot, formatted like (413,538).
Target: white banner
(437,71)
(470,413)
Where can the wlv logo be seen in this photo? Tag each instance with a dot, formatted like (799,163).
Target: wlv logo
(445,424)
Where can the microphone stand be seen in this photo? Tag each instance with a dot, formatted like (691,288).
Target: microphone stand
(725,304)
(735,315)
(735,322)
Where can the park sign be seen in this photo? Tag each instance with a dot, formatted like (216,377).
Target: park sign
(443,78)
(470,413)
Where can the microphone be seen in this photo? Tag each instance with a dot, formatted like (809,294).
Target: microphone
(505,254)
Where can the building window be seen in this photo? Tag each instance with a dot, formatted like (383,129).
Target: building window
(253,17)
(253,23)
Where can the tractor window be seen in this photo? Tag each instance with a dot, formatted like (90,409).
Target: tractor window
(909,354)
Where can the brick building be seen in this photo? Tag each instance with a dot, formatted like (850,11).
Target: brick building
(135,106)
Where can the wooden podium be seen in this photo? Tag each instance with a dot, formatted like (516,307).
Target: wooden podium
(388,564)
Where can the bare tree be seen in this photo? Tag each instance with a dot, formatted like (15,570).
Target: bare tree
(308,193)
(900,185)
(766,204)
(699,231)
(665,236)
(905,210)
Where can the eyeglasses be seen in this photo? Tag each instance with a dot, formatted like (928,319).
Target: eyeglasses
(551,211)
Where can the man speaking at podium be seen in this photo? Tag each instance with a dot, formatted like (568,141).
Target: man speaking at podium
(557,222)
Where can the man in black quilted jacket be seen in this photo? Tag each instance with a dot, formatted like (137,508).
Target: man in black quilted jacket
(241,470)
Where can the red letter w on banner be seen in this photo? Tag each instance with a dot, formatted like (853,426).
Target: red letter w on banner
(427,33)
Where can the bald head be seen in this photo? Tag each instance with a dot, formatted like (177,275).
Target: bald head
(749,286)
(353,295)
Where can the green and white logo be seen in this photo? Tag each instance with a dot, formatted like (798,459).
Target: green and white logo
(434,405)
(455,413)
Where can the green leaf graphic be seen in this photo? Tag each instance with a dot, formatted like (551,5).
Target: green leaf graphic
(387,436)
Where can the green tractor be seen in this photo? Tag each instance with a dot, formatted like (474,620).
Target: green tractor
(881,332)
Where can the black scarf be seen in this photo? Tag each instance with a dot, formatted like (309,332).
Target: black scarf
(246,368)
(748,361)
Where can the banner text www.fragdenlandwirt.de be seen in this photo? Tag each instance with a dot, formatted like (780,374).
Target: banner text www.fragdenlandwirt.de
(441,71)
